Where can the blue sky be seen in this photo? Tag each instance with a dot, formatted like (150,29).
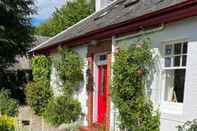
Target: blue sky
(45,8)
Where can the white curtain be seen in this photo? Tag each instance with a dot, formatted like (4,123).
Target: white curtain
(170,94)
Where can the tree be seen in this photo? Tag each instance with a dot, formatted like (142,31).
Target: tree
(15,29)
(72,12)
(15,36)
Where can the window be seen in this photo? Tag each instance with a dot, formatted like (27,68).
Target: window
(175,57)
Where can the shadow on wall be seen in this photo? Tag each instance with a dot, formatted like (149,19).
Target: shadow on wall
(15,81)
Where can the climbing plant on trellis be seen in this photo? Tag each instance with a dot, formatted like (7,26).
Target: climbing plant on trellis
(130,70)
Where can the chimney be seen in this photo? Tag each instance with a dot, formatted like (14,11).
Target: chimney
(102,3)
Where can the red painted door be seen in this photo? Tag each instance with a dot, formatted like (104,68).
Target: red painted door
(102,94)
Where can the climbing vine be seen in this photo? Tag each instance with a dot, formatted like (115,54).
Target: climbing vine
(130,70)
(69,66)
(65,108)
(188,126)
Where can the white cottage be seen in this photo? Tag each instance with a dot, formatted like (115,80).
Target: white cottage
(172,27)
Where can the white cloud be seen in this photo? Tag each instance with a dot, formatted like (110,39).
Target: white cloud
(45,8)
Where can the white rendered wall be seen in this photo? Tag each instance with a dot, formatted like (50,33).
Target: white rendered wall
(81,94)
(55,82)
(185,29)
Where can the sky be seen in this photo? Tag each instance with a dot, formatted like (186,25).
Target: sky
(45,8)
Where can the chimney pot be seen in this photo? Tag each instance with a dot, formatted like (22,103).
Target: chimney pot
(100,4)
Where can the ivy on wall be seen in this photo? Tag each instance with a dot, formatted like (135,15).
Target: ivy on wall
(69,66)
(66,109)
(130,69)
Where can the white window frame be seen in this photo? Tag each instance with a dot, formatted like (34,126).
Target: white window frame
(166,106)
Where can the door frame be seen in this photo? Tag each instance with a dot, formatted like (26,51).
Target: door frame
(95,81)
(98,47)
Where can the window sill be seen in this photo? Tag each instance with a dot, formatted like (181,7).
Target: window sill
(171,108)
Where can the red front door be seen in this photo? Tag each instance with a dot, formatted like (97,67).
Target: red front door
(102,86)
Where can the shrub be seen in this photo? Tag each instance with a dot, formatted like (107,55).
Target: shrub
(188,126)
(72,127)
(130,69)
(62,110)
(7,123)
(40,67)
(8,105)
(38,94)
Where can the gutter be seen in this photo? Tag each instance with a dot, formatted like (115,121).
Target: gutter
(141,33)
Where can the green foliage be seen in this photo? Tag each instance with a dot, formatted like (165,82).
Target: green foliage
(16,36)
(38,94)
(15,30)
(65,109)
(188,126)
(62,110)
(72,12)
(15,81)
(7,123)
(69,66)
(130,69)
(8,106)
(72,127)
(41,67)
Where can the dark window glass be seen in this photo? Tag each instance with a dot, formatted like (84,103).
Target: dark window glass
(167,62)
(103,57)
(177,49)
(185,48)
(168,50)
(179,84)
(184,60)
(177,61)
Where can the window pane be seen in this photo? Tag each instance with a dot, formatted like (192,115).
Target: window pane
(177,49)
(185,47)
(103,57)
(179,84)
(184,60)
(177,60)
(167,61)
(168,49)
(174,85)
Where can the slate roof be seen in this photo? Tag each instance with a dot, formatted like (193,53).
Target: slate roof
(117,12)
(39,40)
